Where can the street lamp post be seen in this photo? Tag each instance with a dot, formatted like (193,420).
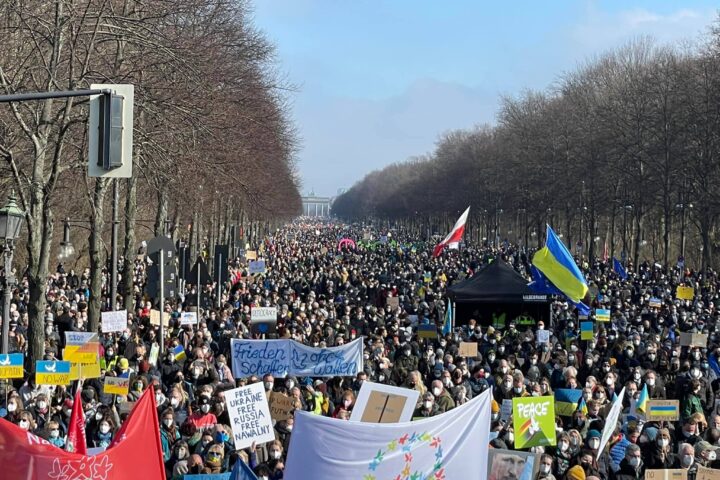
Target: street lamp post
(11,219)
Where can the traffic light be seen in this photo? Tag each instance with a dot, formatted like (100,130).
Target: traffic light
(110,131)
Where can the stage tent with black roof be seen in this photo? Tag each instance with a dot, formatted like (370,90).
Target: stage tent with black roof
(496,295)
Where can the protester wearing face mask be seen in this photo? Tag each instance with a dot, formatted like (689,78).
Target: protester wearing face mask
(690,402)
(169,433)
(104,434)
(202,417)
(443,399)
(54,435)
(631,467)
(346,404)
(658,451)
(563,457)
(545,468)
(656,390)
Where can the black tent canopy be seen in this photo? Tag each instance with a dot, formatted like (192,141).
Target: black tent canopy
(494,290)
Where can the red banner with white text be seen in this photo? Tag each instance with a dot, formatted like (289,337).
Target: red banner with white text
(134,454)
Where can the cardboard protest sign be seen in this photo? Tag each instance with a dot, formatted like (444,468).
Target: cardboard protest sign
(52,373)
(534,421)
(663,410)
(84,370)
(685,293)
(281,406)
(188,318)
(11,365)
(116,385)
(693,339)
(379,403)
(704,473)
(602,314)
(81,347)
(250,255)
(155,318)
(324,251)
(393,302)
(250,418)
(676,474)
(114,321)
(468,349)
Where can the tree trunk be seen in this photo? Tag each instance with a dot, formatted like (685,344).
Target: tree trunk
(129,243)
(161,213)
(97,223)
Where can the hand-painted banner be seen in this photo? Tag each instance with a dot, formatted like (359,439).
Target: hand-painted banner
(250,418)
(11,365)
(52,373)
(286,357)
(81,347)
(116,386)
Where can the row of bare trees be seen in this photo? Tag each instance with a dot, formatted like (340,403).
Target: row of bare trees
(212,144)
(624,152)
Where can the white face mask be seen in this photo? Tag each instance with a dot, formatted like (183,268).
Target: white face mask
(436,391)
(11,407)
(168,422)
(104,428)
(650,382)
(174,402)
(268,385)
(712,456)
(663,442)
(687,460)
(564,446)
(41,405)
(54,433)
(98,416)
(205,408)
(594,443)
(24,424)
(276,454)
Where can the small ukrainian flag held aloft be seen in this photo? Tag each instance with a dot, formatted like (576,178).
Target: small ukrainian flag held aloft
(641,404)
(558,266)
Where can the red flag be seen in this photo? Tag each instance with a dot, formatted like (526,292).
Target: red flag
(76,440)
(455,234)
(135,453)
(606,254)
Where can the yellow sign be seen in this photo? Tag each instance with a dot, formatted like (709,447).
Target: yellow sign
(84,370)
(116,386)
(685,293)
(81,347)
(11,365)
(52,373)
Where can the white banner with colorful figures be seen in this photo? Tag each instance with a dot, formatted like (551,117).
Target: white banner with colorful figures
(287,357)
(453,445)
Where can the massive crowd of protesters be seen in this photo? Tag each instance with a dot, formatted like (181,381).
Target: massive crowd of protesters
(327,297)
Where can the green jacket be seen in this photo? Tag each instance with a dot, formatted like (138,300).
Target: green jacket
(690,404)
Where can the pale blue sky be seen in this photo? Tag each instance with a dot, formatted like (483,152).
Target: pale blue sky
(379,81)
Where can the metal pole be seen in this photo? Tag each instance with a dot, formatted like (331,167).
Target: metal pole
(219,277)
(20,97)
(198,294)
(114,246)
(9,280)
(162,299)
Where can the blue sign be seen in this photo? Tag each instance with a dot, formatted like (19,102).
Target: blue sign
(11,365)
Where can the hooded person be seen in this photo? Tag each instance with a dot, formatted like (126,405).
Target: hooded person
(658,451)
(214,459)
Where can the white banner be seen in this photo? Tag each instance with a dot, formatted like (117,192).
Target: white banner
(287,357)
(611,421)
(249,415)
(453,445)
(188,318)
(114,321)
(263,314)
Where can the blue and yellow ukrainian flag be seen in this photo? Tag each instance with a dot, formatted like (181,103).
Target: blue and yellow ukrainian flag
(566,401)
(447,325)
(179,352)
(556,263)
(582,408)
(641,405)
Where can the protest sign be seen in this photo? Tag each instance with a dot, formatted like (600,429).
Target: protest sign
(283,357)
(188,318)
(84,370)
(263,314)
(663,410)
(81,347)
(250,418)
(511,464)
(704,473)
(543,336)
(379,403)
(155,318)
(281,406)
(393,302)
(506,409)
(655,302)
(693,339)
(602,315)
(676,474)
(154,352)
(256,267)
(116,386)
(468,349)
(611,421)
(126,407)
(52,373)
(586,330)
(11,365)
(685,293)
(250,255)
(534,421)
(114,321)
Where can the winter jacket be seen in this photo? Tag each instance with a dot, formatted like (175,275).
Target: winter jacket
(628,472)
